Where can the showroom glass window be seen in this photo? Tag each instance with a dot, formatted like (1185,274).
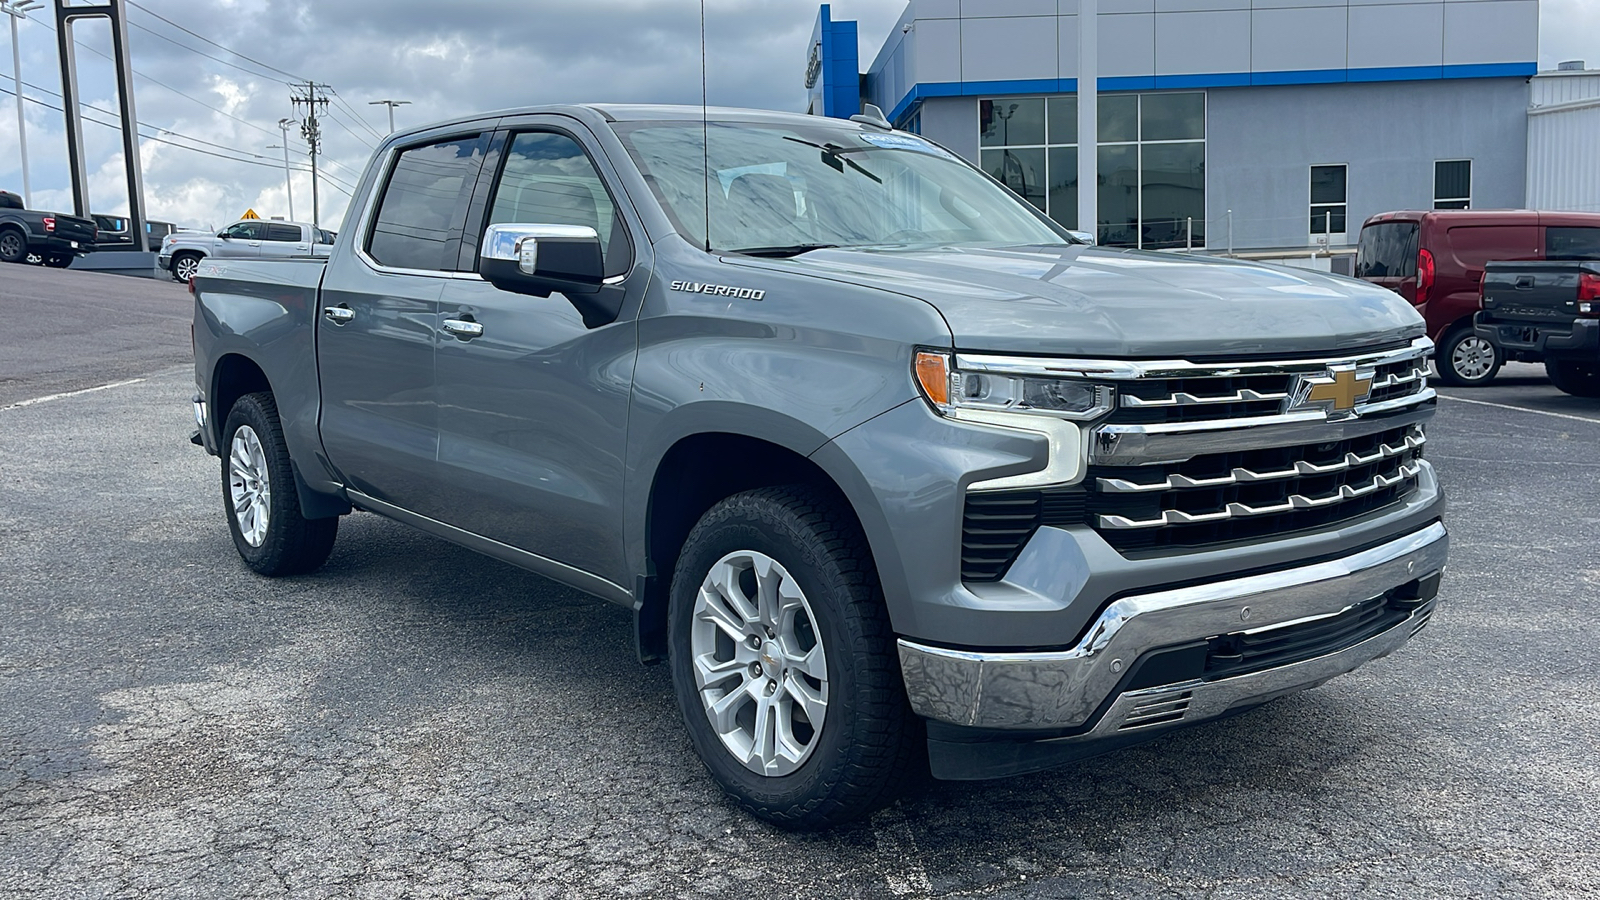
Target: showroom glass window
(1152,157)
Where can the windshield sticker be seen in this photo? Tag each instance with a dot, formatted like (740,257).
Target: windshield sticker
(903,142)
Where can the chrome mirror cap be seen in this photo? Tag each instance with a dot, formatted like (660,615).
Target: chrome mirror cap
(519,243)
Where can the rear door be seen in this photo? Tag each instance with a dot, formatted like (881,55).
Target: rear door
(282,240)
(534,408)
(379,320)
(241,240)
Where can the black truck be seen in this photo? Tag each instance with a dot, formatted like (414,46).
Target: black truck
(1550,311)
(55,238)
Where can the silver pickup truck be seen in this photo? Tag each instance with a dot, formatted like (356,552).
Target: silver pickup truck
(182,251)
(893,473)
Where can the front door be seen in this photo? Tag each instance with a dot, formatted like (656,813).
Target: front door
(532,403)
(241,240)
(377,328)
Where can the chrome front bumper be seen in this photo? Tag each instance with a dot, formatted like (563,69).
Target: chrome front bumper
(1064,689)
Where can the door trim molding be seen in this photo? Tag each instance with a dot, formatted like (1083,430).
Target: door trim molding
(557,571)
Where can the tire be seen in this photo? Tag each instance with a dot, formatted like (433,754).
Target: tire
(13,245)
(184,266)
(256,476)
(1580,379)
(831,641)
(1466,360)
(58,260)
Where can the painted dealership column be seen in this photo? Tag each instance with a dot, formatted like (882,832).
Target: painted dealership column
(1088,117)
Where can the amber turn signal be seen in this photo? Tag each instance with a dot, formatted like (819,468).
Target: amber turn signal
(933,373)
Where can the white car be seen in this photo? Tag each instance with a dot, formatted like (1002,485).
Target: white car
(182,251)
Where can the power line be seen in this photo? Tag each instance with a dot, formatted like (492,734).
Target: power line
(354,113)
(335,119)
(289,75)
(205,54)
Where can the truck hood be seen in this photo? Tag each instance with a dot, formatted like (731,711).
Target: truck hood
(1093,301)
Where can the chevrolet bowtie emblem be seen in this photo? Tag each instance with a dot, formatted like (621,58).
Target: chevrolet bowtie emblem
(1338,391)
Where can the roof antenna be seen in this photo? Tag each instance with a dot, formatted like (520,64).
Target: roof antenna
(705,127)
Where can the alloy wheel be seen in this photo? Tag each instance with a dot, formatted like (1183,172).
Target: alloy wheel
(186,267)
(249,486)
(759,663)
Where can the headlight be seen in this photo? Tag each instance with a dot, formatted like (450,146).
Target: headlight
(951,391)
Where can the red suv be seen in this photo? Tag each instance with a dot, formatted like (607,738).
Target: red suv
(1434,258)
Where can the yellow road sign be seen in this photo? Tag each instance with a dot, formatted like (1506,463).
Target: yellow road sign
(249,214)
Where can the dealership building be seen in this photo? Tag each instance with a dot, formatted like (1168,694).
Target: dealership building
(1264,127)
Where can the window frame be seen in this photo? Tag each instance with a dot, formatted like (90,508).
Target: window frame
(1197,242)
(1312,206)
(484,132)
(495,160)
(1438,199)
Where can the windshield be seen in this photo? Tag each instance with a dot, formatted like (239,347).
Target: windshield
(784,189)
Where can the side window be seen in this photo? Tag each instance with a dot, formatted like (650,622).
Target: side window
(1452,184)
(549,180)
(1572,243)
(324,236)
(418,210)
(1328,199)
(244,231)
(289,234)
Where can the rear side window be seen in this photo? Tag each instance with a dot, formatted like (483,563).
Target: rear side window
(1387,250)
(549,180)
(1572,243)
(421,204)
(288,234)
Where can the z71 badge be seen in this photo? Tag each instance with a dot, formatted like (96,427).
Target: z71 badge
(718,290)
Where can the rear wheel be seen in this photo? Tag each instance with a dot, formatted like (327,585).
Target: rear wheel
(784,663)
(184,265)
(1580,379)
(1466,360)
(13,246)
(258,492)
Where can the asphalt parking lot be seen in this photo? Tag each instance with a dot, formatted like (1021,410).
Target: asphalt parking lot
(416,720)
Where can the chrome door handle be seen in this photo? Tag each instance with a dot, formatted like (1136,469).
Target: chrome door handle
(463,328)
(339,315)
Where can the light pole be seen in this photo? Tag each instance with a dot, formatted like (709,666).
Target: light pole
(288,183)
(17,10)
(391,104)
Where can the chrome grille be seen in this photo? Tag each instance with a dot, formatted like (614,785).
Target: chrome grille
(1203,453)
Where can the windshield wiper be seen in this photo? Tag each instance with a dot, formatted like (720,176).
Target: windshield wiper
(833,156)
(782,251)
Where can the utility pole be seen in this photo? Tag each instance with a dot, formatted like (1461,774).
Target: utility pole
(391,104)
(17,10)
(288,182)
(307,94)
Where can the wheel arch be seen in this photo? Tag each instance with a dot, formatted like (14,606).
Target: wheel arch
(233,376)
(693,474)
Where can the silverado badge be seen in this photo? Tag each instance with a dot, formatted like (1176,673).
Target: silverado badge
(1337,391)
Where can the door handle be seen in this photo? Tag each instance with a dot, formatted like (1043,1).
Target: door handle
(463,328)
(1524,282)
(340,314)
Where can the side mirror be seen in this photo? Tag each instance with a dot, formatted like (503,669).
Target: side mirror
(542,259)
(1084,236)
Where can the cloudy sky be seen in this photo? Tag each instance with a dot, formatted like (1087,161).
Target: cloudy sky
(447,57)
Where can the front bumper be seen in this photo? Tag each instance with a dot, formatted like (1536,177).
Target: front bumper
(1091,698)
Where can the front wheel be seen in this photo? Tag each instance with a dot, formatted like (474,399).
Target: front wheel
(1466,360)
(13,246)
(184,265)
(258,492)
(1580,379)
(784,663)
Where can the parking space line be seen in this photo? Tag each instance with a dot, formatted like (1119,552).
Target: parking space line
(48,397)
(1539,412)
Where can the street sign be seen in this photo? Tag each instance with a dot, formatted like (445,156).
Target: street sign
(249,214)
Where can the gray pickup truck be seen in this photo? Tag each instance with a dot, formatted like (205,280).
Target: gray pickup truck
(1547,311)
(893,473)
